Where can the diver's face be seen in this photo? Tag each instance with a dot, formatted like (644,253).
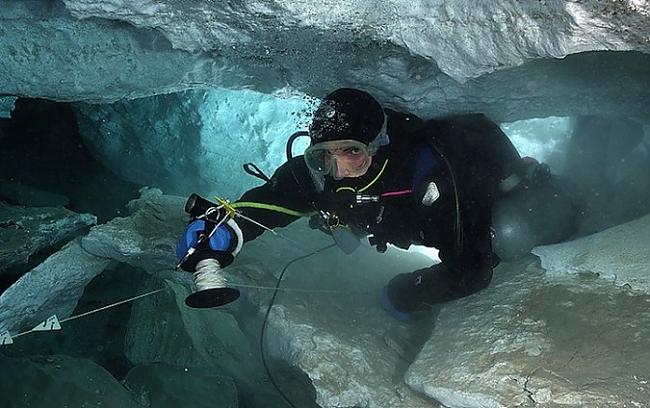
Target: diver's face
(339,158)
(351,165)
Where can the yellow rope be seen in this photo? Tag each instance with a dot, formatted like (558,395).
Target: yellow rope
(226,206)
(270,207)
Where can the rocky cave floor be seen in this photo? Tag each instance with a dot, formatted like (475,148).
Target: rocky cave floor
(566,328)
(530,339)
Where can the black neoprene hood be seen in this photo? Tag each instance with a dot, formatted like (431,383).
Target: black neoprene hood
(347,114)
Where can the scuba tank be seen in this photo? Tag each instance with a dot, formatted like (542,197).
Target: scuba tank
(529,217)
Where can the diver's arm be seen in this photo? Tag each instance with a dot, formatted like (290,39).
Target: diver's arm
(277,203)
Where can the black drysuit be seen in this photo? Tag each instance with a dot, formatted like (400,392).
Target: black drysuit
(465,156)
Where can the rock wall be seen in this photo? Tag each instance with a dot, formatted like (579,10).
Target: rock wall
(463,38)
(499,57)
(194,141)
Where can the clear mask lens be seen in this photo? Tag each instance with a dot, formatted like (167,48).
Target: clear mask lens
(323,158)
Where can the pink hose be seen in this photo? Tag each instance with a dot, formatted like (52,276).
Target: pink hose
(396,193)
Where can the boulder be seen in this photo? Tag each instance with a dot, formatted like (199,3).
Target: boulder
(528,341)
(618,254)
(146,238)
(327,321)
(59,381)
(51,288)
(163,330)
(159,385)
(25,231)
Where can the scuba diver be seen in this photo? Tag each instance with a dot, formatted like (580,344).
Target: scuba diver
(389,176)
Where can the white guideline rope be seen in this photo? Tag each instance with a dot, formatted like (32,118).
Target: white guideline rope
(236,285)
(111,305)
(259,224)
(277,234)
(98,309)
(208,278)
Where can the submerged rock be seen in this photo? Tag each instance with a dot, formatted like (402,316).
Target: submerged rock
(465,39)
(327,321)
(145,239)
(619,254)
(59,381)
(163,330)
(159,385)
(527,341)
(25,231)
(21,194)
(415,58)
(530,338)
(52,288)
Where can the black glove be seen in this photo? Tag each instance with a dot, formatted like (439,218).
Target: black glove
(419,290)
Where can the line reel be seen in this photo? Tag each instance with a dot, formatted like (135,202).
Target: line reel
(212,289)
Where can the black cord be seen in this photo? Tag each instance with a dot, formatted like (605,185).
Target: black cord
(266,318)
(255,171)
(290,141)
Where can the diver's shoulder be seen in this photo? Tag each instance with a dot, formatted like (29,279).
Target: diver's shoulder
(402,122)
(461,120)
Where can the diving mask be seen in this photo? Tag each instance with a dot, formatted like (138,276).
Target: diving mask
(326,158)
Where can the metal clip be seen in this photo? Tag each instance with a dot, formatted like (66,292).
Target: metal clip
(431,194)
(364,199)
(5,339)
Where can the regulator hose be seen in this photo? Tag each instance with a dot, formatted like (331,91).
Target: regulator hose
(290,141)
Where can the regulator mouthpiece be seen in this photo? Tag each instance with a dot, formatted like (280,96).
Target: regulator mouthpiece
(211,287)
